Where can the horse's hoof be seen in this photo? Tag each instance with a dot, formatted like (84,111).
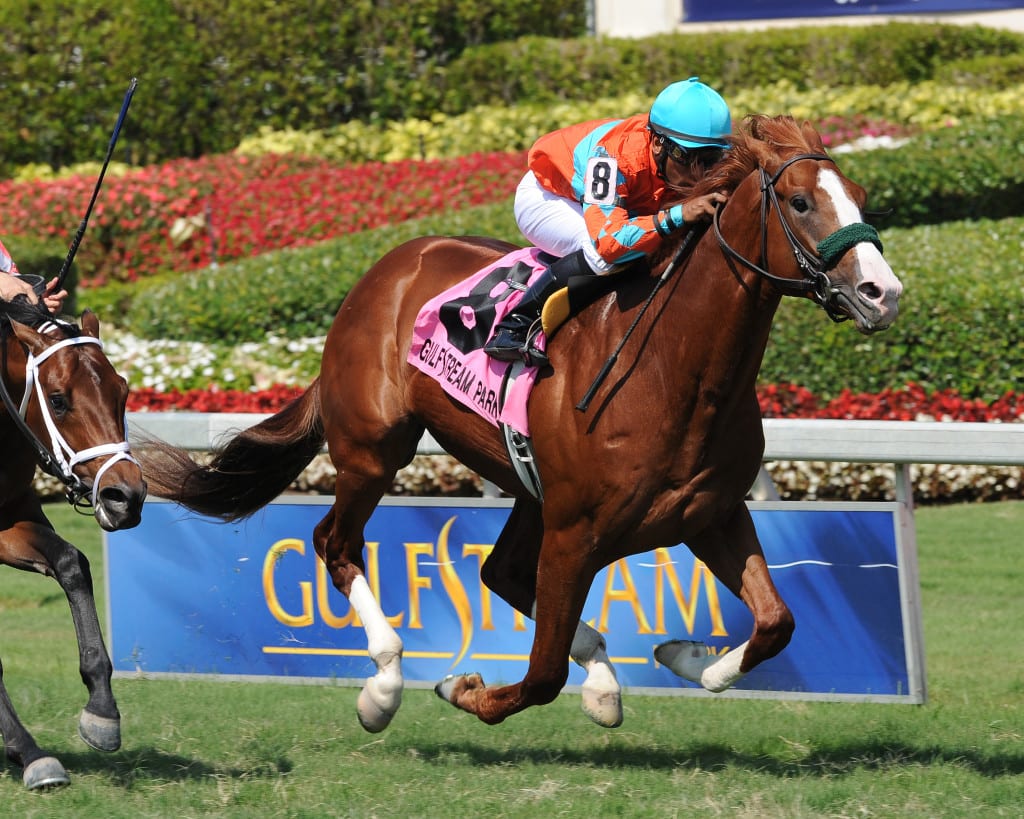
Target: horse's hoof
(99,733)
(454,685)
(603,707)
(446,687)
(684,658)
(45,772)
(377,706)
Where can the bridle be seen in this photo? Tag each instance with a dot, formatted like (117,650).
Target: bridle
(60,459)
(814,266)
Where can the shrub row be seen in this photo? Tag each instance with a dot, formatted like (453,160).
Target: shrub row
(911,106)
(213,74)
(909,403)
(210,73)
(545,69)
(971,171)
(176,215)
(960,326)
(961,323)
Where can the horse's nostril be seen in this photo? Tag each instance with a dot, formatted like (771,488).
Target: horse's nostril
(870,291)
(113,496)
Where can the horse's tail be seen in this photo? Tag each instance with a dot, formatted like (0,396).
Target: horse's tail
(248,472)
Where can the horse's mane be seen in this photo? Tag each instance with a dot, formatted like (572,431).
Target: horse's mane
(758,139)
(36,316)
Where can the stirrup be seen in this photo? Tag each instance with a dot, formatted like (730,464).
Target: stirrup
(505,345)
(516,344)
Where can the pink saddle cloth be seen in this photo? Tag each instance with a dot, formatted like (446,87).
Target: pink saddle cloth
(452,328)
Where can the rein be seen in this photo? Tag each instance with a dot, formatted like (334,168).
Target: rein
(61,459)
(814,266)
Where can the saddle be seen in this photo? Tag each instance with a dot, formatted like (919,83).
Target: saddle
(452,328)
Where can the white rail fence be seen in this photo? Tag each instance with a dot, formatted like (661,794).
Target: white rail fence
(901,443)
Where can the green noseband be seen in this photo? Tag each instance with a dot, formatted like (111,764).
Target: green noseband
(832,248)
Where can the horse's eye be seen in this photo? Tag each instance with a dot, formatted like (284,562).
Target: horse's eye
(799,204)
(59,403)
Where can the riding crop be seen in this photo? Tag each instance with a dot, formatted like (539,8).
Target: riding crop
(85,220)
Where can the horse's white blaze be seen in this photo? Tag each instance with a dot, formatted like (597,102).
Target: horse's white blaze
(382,696)
(871,266)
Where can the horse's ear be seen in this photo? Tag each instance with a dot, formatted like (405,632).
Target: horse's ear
(91,324)
(812,136)
(33,341)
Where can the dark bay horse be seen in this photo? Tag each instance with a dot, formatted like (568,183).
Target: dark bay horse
(63,409)
(666,452)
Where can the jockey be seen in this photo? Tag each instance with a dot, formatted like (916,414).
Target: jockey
(14,284)
(596,195)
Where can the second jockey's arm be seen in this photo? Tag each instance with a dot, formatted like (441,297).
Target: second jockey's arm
(11,286)
(53,298)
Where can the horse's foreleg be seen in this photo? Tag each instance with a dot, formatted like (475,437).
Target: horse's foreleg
(510,571)
(734,555)
(99,724)
(562,589)
(38,769)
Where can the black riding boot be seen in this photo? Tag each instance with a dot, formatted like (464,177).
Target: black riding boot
(509,342)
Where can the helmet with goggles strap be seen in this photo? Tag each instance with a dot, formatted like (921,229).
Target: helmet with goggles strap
(691,115)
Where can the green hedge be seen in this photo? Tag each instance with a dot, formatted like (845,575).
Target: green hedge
(984,72)
(212,74)
(975,170)
(544,69)
(961,322)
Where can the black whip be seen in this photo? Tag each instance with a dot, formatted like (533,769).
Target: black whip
(85,220)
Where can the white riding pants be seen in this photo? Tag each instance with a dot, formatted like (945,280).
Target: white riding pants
(555,224)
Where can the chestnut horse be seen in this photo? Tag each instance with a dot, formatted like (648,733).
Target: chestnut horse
(665,454)
(64,410)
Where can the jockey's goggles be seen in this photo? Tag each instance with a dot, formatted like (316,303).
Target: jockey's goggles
(704,157)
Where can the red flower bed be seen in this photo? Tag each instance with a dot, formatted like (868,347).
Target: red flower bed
(180,214)
(911,403)
(172,216)
(213,400)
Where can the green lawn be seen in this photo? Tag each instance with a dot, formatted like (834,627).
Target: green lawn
(208,749)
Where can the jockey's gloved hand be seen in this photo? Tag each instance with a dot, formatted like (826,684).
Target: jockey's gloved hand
(36,282)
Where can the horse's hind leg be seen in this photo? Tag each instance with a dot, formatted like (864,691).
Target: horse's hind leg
(734,555)
(510,571)
(339,542)
(38,769)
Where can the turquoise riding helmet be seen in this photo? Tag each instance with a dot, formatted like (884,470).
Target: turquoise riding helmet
(692,115)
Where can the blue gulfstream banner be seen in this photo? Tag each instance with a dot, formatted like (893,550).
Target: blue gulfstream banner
(191,596)
(710,10)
